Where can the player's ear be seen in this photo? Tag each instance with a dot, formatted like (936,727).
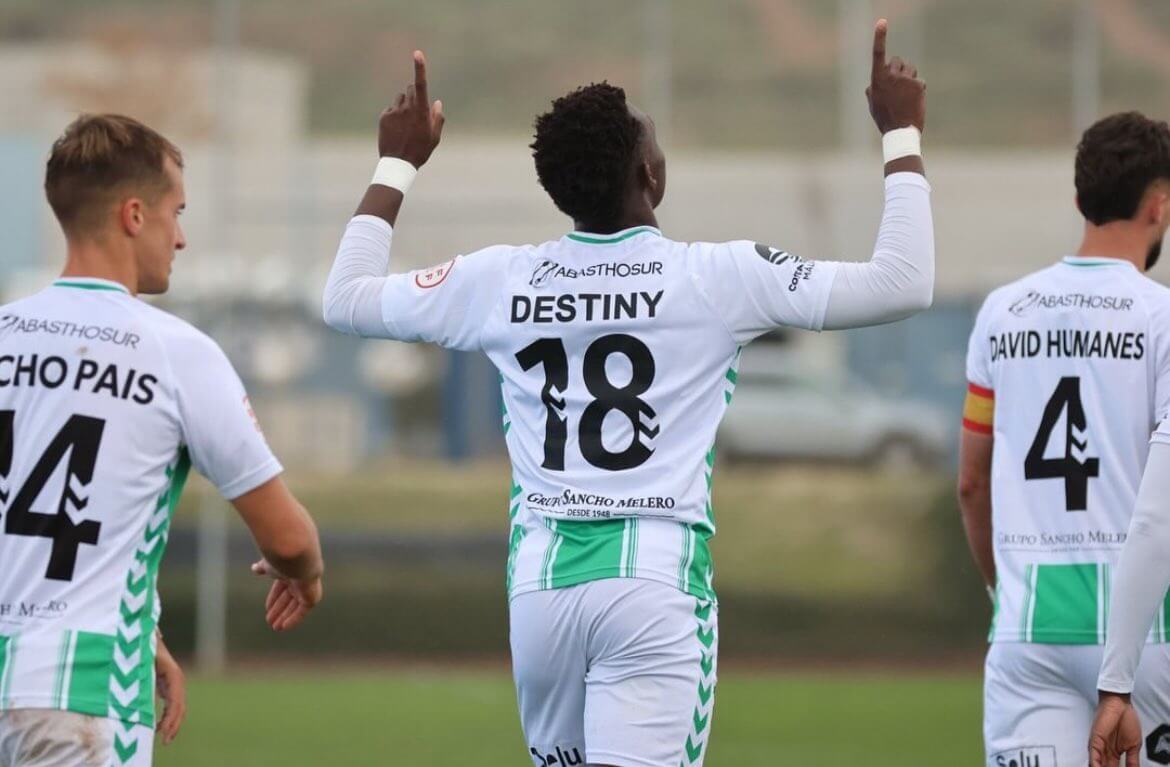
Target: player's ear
(1162,205)
(132,216)
(1153,209)
(650,180)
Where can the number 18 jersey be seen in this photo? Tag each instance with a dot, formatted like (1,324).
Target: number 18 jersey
(1076,358)
(617,356)
(105,403)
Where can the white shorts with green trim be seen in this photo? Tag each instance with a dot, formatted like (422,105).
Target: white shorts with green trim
(1039,701)
(615,672)
(45,737)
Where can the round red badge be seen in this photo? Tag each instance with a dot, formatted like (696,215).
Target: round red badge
(433,277)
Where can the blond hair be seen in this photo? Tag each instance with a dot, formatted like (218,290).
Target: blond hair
(100,158)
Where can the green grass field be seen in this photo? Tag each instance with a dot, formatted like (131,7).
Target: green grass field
(436,718)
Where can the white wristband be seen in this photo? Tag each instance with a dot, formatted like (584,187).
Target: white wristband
(395,173)
(901,142)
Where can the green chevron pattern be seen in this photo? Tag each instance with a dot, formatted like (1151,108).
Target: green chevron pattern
(516,536)
(707,633)
(131,698)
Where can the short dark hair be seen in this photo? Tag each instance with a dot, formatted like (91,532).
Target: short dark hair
(99,157)
(584,148)
(1118,158)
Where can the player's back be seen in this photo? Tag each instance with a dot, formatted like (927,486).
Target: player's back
(91,466)
(618,358)
(1073,356)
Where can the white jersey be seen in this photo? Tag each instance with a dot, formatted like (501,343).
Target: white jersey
(1077,357)
(617,356)
(105,402)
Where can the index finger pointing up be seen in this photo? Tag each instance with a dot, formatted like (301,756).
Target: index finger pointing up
(420,78)
(879,47)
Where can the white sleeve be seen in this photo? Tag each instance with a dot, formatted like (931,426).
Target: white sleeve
(219,428)
(755,288)
(898,280)
(978,364)
(1143,574)
(447,304)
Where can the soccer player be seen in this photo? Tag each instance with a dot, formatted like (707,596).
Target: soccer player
(105,403)
(617,349)
(1069,371)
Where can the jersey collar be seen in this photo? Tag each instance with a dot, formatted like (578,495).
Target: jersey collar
(90,283)
(609,239)
(1096,261)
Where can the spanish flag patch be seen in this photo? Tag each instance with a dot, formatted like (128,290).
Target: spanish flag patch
(979,409)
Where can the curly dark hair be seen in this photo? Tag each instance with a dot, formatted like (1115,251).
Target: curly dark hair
(584,147)
(1118,158)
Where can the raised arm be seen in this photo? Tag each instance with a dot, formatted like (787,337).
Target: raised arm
(898,280)
(408,132)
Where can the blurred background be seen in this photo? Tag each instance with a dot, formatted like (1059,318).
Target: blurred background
(849,605)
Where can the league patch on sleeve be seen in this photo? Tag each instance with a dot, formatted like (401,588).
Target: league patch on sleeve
(774,256)
(433,277)
(252,414)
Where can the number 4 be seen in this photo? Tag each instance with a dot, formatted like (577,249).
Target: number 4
(1075,468)
(80,438)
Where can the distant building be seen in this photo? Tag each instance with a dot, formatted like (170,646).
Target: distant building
(267,204)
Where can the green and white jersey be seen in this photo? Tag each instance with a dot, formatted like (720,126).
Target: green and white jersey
(617,356)
(1077,358)
(105,403)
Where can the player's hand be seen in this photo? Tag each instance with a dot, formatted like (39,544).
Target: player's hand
(172,692)
(1117,731)
(897,98)
(411,127)
(288,601)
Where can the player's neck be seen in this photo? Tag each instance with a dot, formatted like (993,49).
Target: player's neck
(97,260)
(1117,240)
(637,210)
(625,222)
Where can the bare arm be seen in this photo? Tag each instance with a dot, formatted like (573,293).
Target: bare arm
(172,691)
(975,451)
(282,529)
(288,541)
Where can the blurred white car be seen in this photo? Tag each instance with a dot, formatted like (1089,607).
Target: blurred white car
(778,415)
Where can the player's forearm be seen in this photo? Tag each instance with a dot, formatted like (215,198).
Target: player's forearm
(1142,576)
(352,301)
(898,280)
(910,164)
(295,553)
(381,201)
(282,529)
(975,508)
